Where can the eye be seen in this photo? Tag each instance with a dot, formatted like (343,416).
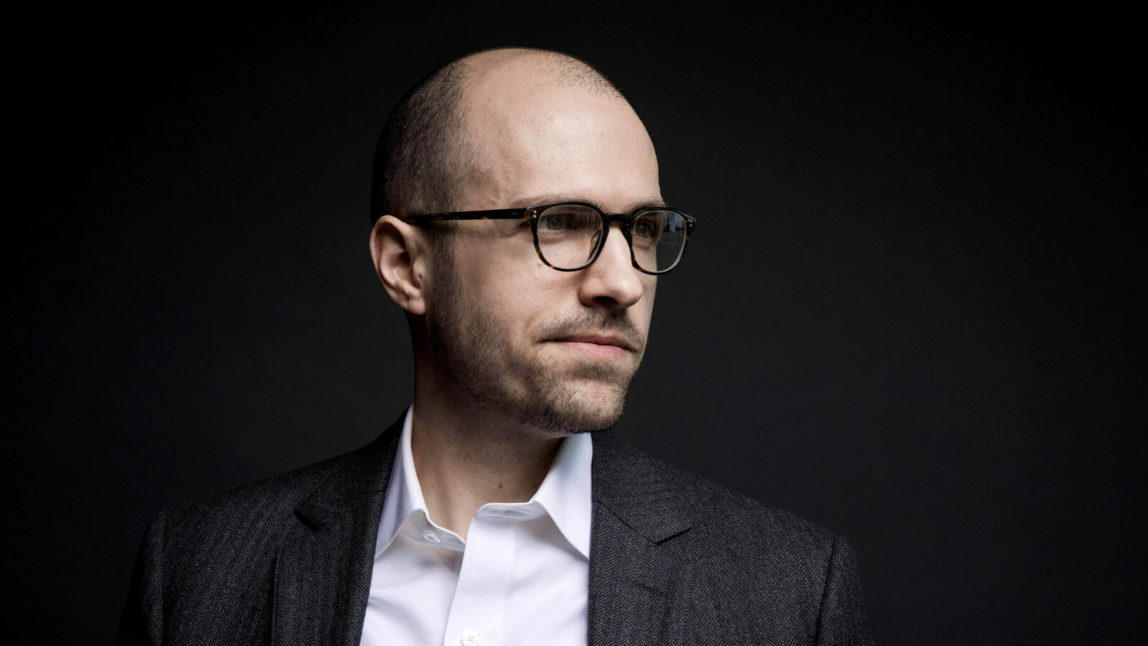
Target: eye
(643,228)
(554,221)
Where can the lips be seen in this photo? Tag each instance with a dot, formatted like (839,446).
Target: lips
(596,346)
(595,334)
(599,339)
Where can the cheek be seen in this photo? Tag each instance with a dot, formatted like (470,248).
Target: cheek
(516,300)
(527,300)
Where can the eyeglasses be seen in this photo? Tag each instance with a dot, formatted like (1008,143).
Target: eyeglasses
(569,236)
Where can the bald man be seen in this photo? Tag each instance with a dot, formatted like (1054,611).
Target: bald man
(519,223)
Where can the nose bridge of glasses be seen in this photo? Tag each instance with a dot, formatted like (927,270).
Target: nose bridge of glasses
(624,220)
(604,243)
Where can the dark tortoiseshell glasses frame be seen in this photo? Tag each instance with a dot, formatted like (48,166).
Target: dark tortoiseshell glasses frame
(531,214)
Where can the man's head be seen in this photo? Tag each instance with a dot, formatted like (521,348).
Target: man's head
(424,158)
(494,328)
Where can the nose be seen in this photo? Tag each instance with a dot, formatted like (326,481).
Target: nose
(612,281)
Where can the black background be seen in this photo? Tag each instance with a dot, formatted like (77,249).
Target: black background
(908,314)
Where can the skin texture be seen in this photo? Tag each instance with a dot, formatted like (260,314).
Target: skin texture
(511,355)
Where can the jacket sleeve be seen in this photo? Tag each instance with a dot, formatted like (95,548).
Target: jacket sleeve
(842,619)
(142,620)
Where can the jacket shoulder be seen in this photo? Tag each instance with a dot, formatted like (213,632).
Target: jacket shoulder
(710,504)
(206,567)
(740,568)
(266,502)
(252,503)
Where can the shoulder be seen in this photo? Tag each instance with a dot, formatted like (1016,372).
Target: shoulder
(704,502)
(739,566)
(717,535)
(252,504)
(254,513)
(207,567)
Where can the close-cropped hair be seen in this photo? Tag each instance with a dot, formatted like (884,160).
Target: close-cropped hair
(424,157)
(420,153)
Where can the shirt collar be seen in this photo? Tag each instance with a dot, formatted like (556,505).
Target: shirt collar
(404,495)
(564,494)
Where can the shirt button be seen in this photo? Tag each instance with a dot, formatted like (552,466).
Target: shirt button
(431,537)
(470,638)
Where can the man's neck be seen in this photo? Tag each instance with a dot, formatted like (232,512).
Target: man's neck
(464,460)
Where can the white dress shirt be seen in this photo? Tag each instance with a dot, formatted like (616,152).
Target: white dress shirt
(521,577)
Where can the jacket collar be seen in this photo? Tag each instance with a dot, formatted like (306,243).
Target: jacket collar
(323,570)
(643,512)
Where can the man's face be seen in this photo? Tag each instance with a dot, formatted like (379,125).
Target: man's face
(552,350)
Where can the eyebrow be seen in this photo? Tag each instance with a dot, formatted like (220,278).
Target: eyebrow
(554,198)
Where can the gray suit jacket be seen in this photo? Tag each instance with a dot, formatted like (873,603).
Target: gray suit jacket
(674,559)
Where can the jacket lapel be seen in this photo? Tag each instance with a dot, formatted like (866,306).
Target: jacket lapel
(323,569)
(639,519)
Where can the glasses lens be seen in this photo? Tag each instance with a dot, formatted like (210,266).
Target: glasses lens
(567,234)
(658,238)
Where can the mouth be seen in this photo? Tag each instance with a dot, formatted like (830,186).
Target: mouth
(596,346)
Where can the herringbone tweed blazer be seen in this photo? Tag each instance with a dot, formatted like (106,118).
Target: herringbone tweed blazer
(674,559)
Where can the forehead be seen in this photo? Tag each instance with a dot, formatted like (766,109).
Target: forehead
(533,134)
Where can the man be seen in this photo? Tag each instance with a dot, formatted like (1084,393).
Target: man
(487,514)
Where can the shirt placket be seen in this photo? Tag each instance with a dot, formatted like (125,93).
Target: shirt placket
(476,611)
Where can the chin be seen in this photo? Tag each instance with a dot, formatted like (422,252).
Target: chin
(581,408)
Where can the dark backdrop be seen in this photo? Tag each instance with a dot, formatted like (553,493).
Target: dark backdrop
(908,313)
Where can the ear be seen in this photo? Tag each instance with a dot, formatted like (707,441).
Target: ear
(401,254)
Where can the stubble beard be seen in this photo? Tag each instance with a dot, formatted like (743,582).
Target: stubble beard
(471,349)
